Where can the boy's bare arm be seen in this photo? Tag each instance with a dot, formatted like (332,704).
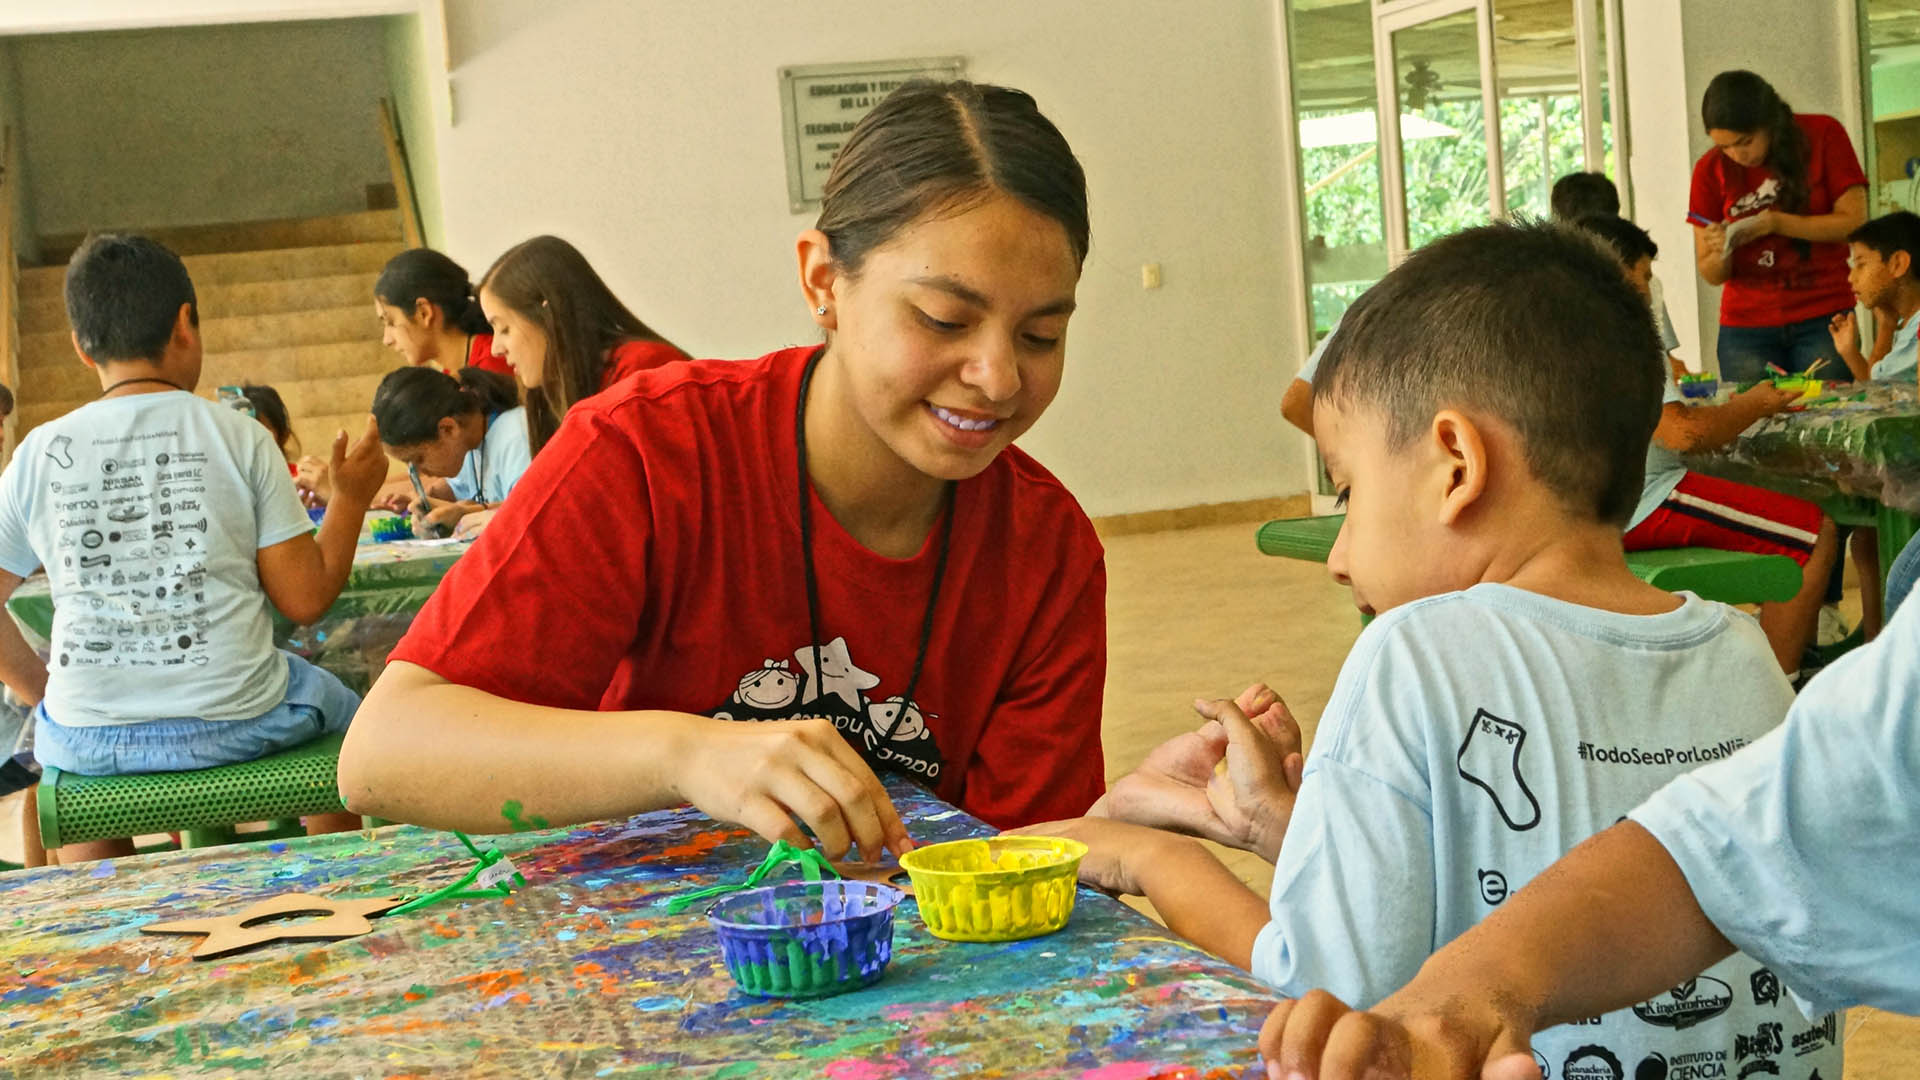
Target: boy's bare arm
(1687,429)
(20,667)
(1612,923)
(303,576)
(1194,892)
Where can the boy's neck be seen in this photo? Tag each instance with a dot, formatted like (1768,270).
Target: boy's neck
(1906,300)
(1572,561)
(127,378)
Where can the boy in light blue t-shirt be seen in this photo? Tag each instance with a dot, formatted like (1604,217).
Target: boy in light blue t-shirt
(1883,266)
(1519,690)
(167,524)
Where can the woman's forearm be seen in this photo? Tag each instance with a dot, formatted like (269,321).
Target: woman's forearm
(1831,228)
(430,752)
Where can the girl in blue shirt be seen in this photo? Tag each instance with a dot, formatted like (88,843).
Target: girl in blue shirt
(470,428)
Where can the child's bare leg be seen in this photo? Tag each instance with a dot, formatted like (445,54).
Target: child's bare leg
(1865,544)
(321,824)
(94,850)
(1790,624)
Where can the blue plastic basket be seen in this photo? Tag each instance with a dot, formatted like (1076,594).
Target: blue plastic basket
(807,938)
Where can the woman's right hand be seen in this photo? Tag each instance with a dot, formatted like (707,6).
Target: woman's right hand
(763,775)
(1715,235)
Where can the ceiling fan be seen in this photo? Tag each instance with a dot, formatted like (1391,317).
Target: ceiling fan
(1421,82)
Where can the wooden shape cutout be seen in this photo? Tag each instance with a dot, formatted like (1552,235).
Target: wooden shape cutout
(879,873)
(232,933)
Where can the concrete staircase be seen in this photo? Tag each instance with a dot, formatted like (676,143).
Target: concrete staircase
(287,303)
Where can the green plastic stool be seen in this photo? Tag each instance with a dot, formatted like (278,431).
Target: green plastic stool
(1731,577)
(204,804)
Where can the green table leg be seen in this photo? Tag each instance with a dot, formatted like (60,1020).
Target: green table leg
(1897,527)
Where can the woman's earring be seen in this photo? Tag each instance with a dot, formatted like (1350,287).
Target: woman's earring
(821,310)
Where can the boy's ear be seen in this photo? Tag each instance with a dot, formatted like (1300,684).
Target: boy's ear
(74,336)
(185,333)
(1900,264)
(1463,450)
(818,275)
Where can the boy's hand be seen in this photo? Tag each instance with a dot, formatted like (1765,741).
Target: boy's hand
(313,481)
(473,524)
(1407,1037)
(1846,333)
(444,515)
(358,470)
(1115,849)
(1769,398)
(1179,785)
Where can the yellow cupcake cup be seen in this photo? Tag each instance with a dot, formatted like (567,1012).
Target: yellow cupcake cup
(1003,889)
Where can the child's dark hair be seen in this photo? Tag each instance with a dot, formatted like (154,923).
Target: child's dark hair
(1627,240)
(547,281)
(271,411)
(1744,102)
(411,401)
(1529,323)
(1884,235)
(1584,194)
(123,294)
(425,274)
(943,146)
(6,401)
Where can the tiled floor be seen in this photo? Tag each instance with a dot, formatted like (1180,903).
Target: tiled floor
(1201,612)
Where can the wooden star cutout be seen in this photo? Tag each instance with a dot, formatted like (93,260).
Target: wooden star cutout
(256,925)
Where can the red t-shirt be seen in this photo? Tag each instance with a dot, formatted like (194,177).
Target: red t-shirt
(480,355)
(1772,284)
(653,554)
(634,355)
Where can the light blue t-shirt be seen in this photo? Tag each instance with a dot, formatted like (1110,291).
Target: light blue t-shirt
(1804,849)
(1473,738)
(1664,468)
(1900,361)
(148,512)
(492,468)
(1312,365)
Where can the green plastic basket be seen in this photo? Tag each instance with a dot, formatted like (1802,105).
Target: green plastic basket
(75,809)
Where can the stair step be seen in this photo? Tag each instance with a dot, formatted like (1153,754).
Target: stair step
(249,235)
(315,434)
(323,399)
(223,300)
(75,382)
(232,268)
(324,326)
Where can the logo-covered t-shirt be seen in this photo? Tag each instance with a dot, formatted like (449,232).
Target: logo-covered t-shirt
(148,512)
(1471,740)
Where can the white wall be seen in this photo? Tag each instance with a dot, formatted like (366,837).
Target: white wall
(649,135)
(219,123)
(1805,48)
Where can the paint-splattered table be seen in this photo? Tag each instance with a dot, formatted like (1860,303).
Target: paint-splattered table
(1860,460)
(386,588)
(579,974)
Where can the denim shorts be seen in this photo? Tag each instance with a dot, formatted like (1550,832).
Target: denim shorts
(317,703)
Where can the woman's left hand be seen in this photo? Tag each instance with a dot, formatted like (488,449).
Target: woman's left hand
(1763,224)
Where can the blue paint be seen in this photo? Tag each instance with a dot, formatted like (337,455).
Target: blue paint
(565,935)
(278,847)
(104,868)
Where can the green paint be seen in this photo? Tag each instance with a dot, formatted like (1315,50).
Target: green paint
(423,991)
(243,1063)
(511,810)
(182,1047)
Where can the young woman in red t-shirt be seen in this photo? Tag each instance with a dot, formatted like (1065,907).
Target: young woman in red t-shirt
(428,314)
(840,541)
(1786,190)
(563,331)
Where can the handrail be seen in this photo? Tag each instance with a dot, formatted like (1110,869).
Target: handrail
(402,175)
(9,286)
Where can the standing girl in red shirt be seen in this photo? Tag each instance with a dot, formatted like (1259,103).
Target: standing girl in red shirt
(565,333)
(428,314)
(838,540)
(1772,205)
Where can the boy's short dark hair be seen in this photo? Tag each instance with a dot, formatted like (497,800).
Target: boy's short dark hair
(1531,323)
(1629,241)
(1583,194)
(1898,231)
(123,294)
